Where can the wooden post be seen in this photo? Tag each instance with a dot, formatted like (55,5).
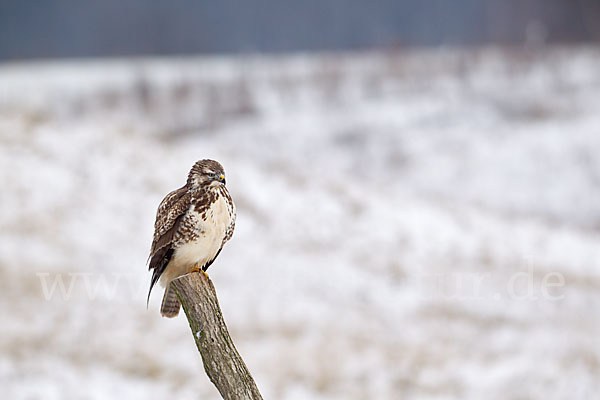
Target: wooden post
(222,362)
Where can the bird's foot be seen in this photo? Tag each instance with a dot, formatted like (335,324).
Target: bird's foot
(197,268)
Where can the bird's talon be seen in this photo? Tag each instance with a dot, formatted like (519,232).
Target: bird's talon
(197,269)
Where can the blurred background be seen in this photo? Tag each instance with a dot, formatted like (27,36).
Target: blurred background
(417,183)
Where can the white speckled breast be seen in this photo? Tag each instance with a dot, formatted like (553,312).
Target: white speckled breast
(209,234)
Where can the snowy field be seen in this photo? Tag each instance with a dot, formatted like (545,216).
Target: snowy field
(411,225)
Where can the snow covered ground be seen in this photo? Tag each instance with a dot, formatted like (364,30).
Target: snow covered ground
(416,225)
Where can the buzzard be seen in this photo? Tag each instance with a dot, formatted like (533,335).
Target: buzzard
(192,225)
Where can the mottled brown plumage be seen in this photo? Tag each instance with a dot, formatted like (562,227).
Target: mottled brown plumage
(192,225)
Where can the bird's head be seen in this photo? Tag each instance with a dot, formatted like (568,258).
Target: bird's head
(206,173)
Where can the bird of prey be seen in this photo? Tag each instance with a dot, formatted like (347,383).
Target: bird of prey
(192,225)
